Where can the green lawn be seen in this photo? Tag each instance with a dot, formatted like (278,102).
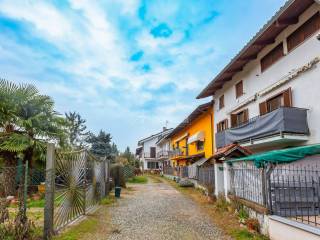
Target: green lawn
(138,179)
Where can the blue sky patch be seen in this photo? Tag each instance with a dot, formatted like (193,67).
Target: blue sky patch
(161,31)
(137,56)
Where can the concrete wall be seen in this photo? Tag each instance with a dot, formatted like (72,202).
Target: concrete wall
(281,229)
(304,88)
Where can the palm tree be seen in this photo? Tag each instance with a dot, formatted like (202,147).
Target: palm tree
(27,121)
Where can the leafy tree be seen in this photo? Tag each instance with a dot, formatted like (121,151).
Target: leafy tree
(27,122)
(130,157)
(114,152)
(76,128)
(100,144)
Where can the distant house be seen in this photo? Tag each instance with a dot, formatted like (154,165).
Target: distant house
(192,139)
(267,96)
(148,148)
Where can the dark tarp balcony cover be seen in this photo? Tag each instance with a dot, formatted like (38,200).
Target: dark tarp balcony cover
(284,119)
(280,156)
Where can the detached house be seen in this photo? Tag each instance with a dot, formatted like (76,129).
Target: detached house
(267,96)
(148,150)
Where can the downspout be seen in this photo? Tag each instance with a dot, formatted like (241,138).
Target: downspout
(212,130)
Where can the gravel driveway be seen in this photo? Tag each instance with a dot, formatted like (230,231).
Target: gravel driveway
(158,211)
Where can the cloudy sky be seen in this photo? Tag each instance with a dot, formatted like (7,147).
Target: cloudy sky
(127,66)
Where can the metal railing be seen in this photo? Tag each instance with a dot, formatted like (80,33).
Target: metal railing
(163,154)
(295,193)
(177,152)
(205,176)
(287,190)
(149,155)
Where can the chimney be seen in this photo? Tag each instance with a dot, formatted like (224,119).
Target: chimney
(164,129)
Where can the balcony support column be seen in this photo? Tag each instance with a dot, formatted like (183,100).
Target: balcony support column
(219,179)
(226,179)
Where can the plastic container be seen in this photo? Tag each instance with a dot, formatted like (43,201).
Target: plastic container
(117,192)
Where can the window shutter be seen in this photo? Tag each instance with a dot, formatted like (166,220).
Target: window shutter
(226,123)
(263,108)
(246,115)
(287,98)
(233,120)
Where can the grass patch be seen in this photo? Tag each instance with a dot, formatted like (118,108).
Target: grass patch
(36,203)
(108,200)
(244,234)
(76,232)
(138,179)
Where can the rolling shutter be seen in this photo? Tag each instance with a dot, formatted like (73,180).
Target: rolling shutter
(246,115)
(233,120)
(263,108)
(287,98)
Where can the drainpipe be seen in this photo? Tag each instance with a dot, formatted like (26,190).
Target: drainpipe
(212,130)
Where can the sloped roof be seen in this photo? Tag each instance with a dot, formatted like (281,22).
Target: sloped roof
(229,150)
(193,116)
(287,15)
(154,136)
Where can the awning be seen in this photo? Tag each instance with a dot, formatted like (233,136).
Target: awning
(281,156)
(199,136)
(200,162)
(182,137)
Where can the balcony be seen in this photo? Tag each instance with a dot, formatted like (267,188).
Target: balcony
(163,154)
(177,153)
(151,155)
(281,125)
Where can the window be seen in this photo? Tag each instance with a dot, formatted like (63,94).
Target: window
(239,118)
(152,152)
(200,145)
(221,102)
(304,32)
(153,165)
(223,125)
(273,56)
(283,99)
(239,89)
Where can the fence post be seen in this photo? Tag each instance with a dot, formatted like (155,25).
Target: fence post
(264,187)
(25,191)
(49,194)
(84,184)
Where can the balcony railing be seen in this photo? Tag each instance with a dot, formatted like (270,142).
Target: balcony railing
(177,153)
(149,155)
(163,154)
(282,120)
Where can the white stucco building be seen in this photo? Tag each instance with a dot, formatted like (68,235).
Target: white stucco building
(267,96)
(149,150)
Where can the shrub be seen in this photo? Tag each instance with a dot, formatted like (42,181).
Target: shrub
(116,172)
(222,204)
(253,224)
(19,228)
(243,215)
(185,183)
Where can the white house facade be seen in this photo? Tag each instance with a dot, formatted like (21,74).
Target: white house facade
(148,148)
(267,97)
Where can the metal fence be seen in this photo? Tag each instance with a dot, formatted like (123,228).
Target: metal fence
(75,184)
(287,190)
(247,182)
(168,170)
(295,193)
(206,176)
(128,171)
